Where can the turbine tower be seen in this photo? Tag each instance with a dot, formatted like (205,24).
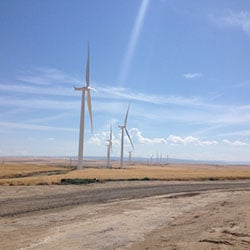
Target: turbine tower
(124,127)
(130,157)
(109,147)
(85,89)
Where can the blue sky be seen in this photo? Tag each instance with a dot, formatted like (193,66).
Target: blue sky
(184,65)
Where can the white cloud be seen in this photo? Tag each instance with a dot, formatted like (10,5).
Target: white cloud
(209,142)
(101,138)
(192,75)
(96,140)
(136,134)
(173,139)
(234,143)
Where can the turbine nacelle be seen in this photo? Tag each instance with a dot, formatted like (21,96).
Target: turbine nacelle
(109,143)
(82,88)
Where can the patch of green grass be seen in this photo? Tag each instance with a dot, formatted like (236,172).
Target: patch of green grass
(213,179)
(42,183)
(57,172)
(78,181)
(131,179)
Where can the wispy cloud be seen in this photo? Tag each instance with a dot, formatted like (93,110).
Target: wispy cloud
(40,90)
(239,19)
(124,93)
(244,133)
(35,82)
(107,92)
(57,117)
(188,109)
(241,85)
(192,75)
(110,100)
(235,143)
(195,109)
(46,76)
(32,103)
(28,126)
(235,19)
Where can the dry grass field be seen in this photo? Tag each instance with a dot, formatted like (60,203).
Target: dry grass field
(24,170)
(123,215)
(41,174)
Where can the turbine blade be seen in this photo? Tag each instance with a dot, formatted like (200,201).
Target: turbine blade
(87,69)
(129,138)
(93,89)
(110,137)
(126,117)
(90,109)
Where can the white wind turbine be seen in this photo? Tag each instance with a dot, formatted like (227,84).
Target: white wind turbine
(124,127)
(130,156)
(109,147)
(85,89)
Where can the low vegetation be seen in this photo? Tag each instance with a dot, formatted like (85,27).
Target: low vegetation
(32,174)
(24,170)
(78,181)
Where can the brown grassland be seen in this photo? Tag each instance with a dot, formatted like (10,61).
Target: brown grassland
(41,174)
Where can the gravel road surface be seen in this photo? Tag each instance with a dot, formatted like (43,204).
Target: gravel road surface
(12,206)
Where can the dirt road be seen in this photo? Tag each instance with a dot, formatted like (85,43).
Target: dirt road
(151,215)
(101,193)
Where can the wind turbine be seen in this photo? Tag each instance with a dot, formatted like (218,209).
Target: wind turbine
(85,89)
(130,156)
(124,127)
(109,147)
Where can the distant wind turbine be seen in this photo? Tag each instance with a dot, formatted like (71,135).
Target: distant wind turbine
(124,127)
(130,156)
(109,147)
(84,90)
